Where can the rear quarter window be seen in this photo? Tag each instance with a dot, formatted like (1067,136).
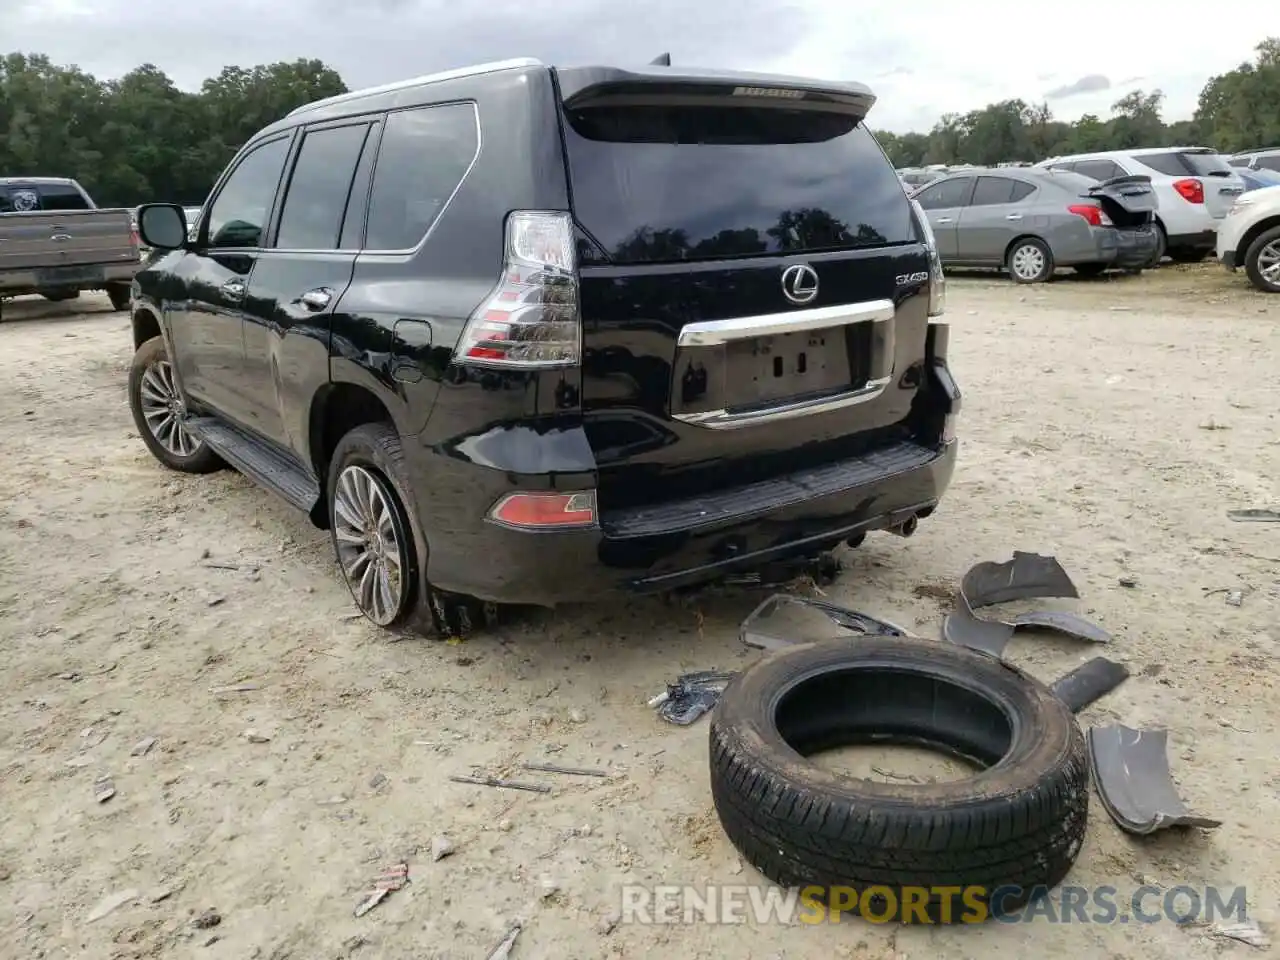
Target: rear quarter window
(655,183)
(1184,164)
(424,155)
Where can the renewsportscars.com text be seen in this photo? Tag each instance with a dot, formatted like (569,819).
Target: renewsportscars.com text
(745,903)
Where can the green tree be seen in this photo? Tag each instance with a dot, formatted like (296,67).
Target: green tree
(140,138)
(1241,109)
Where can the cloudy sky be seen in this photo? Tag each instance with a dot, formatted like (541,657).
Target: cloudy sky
(923,58)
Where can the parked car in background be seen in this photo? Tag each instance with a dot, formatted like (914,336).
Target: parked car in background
(411,312)
(1268,159)
(1258,179)
(1031,221)
(914,178)
(55,242)
(1250,238)
(1195,187)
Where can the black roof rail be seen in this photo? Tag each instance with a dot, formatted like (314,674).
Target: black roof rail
(661,60)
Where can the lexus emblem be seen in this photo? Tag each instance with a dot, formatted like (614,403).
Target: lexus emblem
(799,283)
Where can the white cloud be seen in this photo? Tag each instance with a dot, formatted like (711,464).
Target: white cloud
(923,58)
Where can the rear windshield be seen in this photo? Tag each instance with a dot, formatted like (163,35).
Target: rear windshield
(670,183)
(1182,163)
(44,196)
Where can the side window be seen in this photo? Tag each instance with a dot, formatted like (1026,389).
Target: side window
(1021,190)
(991,190)
(948,193)
(423,157)
(238,216)
(1238,161)
(62,196)
(1270,163)
(1099,169)
(1166,163)
(311,218)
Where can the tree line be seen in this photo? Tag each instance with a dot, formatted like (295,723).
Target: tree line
(1238,110)
(140,138)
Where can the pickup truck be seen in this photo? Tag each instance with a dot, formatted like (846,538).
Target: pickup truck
(54,241)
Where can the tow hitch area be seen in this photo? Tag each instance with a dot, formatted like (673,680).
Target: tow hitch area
(1131,772)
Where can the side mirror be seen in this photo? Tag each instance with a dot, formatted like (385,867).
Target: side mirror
(162,226)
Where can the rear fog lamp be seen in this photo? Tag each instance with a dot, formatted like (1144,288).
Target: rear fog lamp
(546,511)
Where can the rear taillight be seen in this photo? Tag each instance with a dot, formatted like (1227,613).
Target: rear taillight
(133,237)
(1191,190)
(937,280)
(531,318)
(1090,211)
(545,511)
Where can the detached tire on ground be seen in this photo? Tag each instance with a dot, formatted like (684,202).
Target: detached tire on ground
(1013,829)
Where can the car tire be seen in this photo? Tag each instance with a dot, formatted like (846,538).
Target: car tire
(154,403)
(1262,254)
(60,296)
(370,458)
(118,294)
(1029,261)
(1090,269)
(1015,827)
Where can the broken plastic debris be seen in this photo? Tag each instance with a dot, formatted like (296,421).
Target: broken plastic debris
(1131,772)
(690,696)
(1254,515)
(142,747)
(1089,682)
(1027,576)
(784,619)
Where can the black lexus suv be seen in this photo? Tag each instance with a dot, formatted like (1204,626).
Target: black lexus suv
(525,334)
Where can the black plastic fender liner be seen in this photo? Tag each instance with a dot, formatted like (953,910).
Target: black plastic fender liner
(1016,825)
(1135,785)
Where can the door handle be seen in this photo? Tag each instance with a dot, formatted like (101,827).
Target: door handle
(233,289)
(1013,216)
(60,237)
(943,220)
(317,299)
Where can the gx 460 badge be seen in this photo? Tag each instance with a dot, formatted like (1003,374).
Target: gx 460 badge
(904,279)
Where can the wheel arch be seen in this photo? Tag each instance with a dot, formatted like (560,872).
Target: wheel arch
(146,325)
(336,409)
(1254,232)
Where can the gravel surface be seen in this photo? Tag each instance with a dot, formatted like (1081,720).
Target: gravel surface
(186,642)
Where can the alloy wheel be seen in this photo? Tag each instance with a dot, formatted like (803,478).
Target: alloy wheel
(1269,264)
(162,410)
(370,549)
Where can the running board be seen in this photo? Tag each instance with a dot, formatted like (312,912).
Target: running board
(258,461)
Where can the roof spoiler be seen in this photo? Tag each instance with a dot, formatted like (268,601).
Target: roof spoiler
(661,60)
(585,87)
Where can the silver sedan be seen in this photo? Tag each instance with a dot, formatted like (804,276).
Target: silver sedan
(1031,221)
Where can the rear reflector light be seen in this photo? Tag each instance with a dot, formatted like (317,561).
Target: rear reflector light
(1090,211)
(545,511)
(530,320)
(937,280)
(1190,190)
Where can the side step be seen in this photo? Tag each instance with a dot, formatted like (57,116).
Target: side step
(258,461)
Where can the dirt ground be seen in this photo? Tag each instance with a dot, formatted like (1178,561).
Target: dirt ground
(1112,423)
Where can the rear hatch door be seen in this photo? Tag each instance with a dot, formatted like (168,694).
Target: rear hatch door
(753,283)
(1127,201)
